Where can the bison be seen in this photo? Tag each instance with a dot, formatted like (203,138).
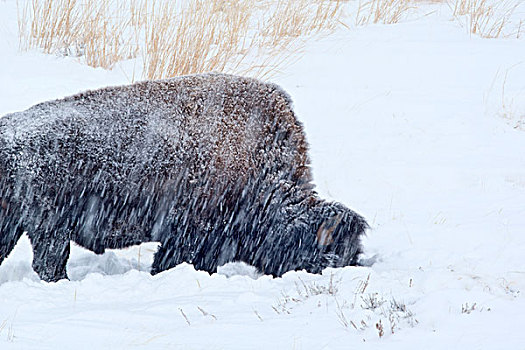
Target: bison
(212,166)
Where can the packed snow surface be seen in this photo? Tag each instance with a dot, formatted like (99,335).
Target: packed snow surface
(418,126)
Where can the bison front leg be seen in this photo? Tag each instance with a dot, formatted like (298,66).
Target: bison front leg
(205,250)
(169,254)
(50,256)
(184,245)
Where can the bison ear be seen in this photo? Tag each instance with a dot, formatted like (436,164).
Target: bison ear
(324,233)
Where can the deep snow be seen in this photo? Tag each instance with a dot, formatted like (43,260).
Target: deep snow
(415,125)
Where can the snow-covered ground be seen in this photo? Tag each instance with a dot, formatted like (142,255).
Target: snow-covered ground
(419,126)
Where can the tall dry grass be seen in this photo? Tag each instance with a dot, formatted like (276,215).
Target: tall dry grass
(239,36)
(381,11)
(488,19)
(300,18)
(255,37)
(96,30)
(204,36)
(176,37)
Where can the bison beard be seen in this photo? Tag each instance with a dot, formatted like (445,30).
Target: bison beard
(214,167)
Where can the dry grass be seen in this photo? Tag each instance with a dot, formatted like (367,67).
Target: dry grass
(488,19)
(104,40)
(90,28)
(205,36)
(176,37)
(381,11)
(512,107)
(294,19)
(51,23)
(249,37)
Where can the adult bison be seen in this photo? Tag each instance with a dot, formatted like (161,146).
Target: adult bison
(213,166)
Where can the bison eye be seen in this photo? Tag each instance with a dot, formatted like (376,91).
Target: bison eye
(324,233)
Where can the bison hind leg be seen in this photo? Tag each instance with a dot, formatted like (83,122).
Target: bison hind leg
(8,239)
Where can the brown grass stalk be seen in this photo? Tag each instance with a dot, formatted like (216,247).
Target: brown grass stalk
(488,19)
(381,11)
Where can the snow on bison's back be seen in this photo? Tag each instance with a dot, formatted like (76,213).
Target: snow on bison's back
(212,166)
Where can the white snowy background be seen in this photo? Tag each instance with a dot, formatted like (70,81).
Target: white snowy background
(419,126)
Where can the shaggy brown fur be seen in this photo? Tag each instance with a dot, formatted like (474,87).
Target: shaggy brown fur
(213,166)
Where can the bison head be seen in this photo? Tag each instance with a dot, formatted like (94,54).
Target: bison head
(312,235)
(338,232)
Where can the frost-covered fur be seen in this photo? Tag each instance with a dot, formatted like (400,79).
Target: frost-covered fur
(212,166)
